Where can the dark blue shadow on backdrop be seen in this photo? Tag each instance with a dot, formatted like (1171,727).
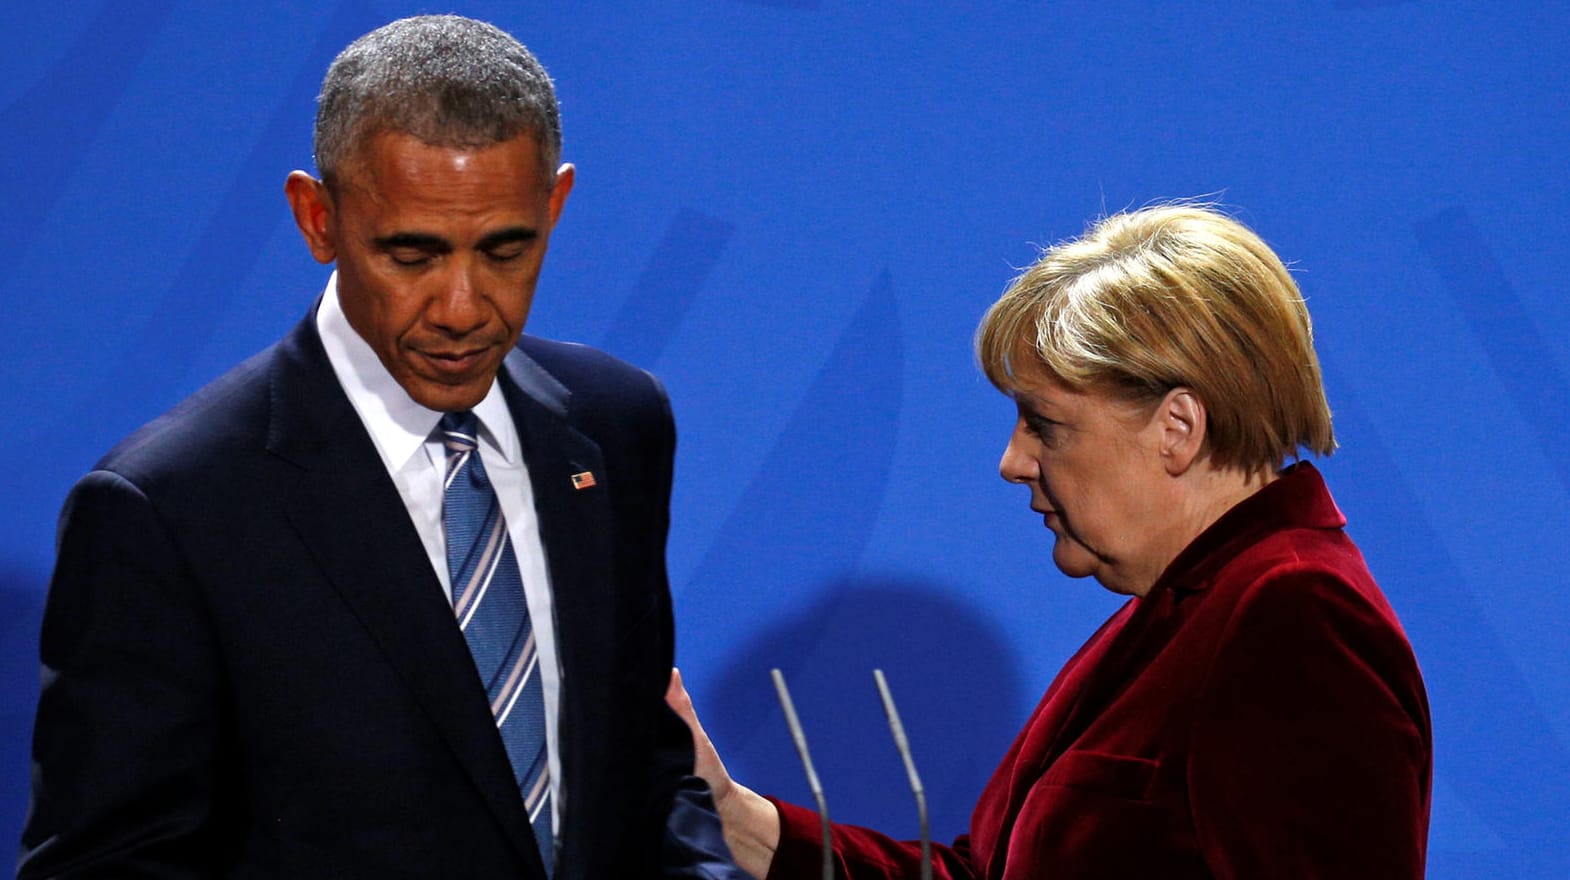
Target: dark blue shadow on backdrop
(839,441)
(46,141)
(1520,355)
(152,375)
(21,613)
(957,686)
(1493,745)
(228,247)
(682,262)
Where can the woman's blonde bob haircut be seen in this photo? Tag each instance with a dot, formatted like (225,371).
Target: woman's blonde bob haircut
(1165,297)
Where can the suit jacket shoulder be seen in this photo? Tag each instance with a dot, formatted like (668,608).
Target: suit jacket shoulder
(201,431)
(598,391)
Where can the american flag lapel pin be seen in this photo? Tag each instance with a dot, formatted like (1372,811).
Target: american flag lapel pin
(583,480)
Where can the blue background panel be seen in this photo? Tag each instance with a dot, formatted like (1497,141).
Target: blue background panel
(795,212)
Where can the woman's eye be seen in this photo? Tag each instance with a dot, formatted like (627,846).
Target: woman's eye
(1045,430)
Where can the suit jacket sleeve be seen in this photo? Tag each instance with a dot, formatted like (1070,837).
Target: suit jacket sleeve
(1309,758)
(636,431)
(672,758)
(129,743)
(693,839)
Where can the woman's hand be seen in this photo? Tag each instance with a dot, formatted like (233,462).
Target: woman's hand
(752,824)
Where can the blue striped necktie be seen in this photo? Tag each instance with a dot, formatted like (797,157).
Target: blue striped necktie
(487,596)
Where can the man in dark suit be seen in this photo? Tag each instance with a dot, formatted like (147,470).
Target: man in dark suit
(265,645)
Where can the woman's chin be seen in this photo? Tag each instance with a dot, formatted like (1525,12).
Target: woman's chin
(1072,559)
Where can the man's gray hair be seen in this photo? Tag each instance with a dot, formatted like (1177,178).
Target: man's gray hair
(447,80)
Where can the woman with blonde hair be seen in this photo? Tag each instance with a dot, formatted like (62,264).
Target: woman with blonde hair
(1254,710)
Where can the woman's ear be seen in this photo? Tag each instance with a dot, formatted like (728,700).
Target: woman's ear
(1181,425)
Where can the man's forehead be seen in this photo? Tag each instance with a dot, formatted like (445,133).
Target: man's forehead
(398,167)
(371,144)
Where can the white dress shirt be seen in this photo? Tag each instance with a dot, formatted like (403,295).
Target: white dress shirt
(402,431)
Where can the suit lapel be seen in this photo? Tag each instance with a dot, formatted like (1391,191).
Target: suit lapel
(349,514)
(1090,682)
(576,530)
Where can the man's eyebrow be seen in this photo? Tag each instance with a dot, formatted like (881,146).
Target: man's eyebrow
(507,236)
(423,241)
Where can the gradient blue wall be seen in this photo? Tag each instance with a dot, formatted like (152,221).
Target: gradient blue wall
(795,211)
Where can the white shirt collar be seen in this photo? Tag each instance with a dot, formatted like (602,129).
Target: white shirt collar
(397,424)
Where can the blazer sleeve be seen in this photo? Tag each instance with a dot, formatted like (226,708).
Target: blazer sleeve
(692,842)
(694,838)
(859,853)
(1311,755)
(129,745)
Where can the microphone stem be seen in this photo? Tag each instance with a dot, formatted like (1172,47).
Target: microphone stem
(916,789)
(800,737)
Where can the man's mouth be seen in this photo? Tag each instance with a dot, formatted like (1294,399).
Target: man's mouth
(453,363)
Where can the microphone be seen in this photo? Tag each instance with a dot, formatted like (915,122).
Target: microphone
(800,738)
(901,743)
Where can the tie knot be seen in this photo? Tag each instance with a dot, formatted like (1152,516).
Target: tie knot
(460,431)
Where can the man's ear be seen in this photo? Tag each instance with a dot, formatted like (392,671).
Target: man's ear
(560,189)
(1181,422)
(312,206)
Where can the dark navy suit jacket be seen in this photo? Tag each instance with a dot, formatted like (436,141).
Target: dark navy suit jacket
(250,669)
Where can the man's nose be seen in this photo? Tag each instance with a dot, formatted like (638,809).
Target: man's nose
(459,307)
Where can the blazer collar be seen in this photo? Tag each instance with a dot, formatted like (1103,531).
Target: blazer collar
(1296,499)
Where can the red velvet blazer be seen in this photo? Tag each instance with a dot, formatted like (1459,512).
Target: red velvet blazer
(1259,714)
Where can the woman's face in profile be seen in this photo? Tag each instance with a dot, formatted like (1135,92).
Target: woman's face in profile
(1095,472)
